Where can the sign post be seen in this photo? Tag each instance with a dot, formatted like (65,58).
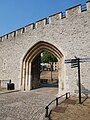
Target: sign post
(79,81)
(76,63)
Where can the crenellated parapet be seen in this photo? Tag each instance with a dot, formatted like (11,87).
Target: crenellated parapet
(29,27)
(51,20)
(73,11)
(41,23)
(55,17)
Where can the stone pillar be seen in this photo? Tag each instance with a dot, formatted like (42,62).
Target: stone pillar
(29,78)
(26,77)
(22,76)
(61,77)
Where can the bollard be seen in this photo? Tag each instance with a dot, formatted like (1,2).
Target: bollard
(46,115)
(66,95)
(56,101)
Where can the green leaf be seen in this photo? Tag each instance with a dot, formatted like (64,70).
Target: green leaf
(48,57)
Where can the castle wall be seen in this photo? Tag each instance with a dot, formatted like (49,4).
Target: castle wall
(70,34)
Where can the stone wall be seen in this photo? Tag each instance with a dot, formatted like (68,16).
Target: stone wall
(35,72)
(70,34)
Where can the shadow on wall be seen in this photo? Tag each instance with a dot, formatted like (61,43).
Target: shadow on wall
(84,90)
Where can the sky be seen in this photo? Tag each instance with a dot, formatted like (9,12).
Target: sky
(15,14)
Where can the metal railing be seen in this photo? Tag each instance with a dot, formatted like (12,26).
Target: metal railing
(57,102)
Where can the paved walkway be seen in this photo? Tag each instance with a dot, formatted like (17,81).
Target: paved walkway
(26,105)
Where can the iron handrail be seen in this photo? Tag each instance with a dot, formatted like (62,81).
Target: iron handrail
(56,99)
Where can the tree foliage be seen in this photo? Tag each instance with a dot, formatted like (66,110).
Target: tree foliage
(48,57)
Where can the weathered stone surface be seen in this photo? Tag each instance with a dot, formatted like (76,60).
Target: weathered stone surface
(71,36)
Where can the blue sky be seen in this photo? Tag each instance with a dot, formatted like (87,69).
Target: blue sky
(15,14)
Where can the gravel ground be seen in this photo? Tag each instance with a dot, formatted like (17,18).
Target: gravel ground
(26,105)
(73,112)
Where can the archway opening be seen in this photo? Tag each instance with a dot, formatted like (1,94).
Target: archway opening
(30,75)
(48,70)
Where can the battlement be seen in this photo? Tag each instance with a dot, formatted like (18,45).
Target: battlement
(73,11)
(70,12)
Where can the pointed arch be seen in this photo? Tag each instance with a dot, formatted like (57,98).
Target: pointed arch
(41,46)
(30,55)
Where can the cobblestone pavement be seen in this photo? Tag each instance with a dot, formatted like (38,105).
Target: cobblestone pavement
(26,105)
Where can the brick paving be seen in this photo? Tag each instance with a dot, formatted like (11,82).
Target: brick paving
(26,105)
(59,109)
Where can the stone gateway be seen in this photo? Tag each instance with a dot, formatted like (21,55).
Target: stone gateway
(63,36)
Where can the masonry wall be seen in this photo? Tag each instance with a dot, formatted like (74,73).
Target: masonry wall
(70,34)
(35,73)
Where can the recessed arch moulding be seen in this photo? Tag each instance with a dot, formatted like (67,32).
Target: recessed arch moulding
(30,64)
